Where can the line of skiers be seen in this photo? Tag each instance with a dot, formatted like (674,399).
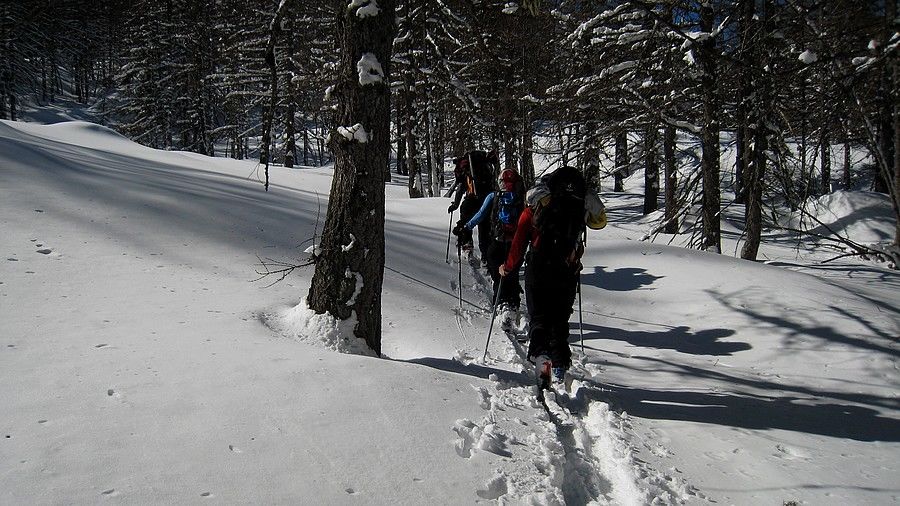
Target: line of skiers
(544,228)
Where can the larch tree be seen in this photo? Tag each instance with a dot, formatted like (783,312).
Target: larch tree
(350,267)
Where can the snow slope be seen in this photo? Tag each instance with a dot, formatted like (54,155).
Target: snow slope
(138,360)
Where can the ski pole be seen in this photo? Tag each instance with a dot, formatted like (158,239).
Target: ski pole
(580,317)
(459,281)
(449,233)
(493,314)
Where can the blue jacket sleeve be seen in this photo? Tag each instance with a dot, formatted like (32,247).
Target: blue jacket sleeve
(488,202)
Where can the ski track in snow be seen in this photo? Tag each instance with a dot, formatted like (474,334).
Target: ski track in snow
(570,449)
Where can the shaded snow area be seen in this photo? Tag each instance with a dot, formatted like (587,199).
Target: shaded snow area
(140,363)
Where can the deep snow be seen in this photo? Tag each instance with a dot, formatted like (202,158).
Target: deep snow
(140,364)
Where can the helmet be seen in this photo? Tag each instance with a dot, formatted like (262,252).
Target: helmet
(508,180)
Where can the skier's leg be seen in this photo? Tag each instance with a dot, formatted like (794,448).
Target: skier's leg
(539,302)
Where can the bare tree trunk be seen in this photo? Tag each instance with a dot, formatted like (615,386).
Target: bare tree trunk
(671,215)
(412,152)
(711,235)
(350,270)
(428,190)
(290,143)
(622,162)
(651,170)
(760,107)
(510,150)
(826,164)
(401,139)
(526,154)
(845,178)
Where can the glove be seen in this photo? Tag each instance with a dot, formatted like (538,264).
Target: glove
(458,230)
(453,207)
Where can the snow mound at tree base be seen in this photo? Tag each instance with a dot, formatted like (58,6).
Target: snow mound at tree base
(301,322)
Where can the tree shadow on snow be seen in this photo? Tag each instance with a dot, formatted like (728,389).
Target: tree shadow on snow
(811,416)
(798,408)
(680,339)
(471,369)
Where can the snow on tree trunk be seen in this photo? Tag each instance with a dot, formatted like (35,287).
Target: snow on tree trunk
(349,272)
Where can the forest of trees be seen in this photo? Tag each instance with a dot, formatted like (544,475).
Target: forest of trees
(790,84)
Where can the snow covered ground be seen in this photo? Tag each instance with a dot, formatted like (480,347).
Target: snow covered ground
(138,360)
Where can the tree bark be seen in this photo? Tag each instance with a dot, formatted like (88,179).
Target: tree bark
(826,164)
(671,174)
(526,146)
(350,269)
(845,178)
(711,202)
(759,111)
(651,171)
(622,162)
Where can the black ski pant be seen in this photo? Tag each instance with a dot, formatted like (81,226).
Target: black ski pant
(550,289)
(509,290)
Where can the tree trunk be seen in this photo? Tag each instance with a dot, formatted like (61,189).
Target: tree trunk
(754,195)
(622,162)
(846,181)
(590,161)
(401,138)
(671,215)
(711,234)
(412,152)
(651,171)
(826,165)
(759,111)
(350,270)
(526,147)
(290,143)
(428,189)
(744,93)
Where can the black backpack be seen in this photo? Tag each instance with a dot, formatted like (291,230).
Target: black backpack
(559,215)
(484,166)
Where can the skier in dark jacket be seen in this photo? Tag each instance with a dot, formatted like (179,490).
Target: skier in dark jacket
(553,226)
(474,182)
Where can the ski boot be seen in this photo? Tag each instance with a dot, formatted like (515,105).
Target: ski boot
(509,315)
(542,366)
(465,251)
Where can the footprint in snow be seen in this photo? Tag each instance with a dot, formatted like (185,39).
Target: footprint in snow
(110,493)
(235,449)
(45,251)
(494,489)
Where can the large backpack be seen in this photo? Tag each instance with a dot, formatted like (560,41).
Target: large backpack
(559,211)
(484,167)
(505,214)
